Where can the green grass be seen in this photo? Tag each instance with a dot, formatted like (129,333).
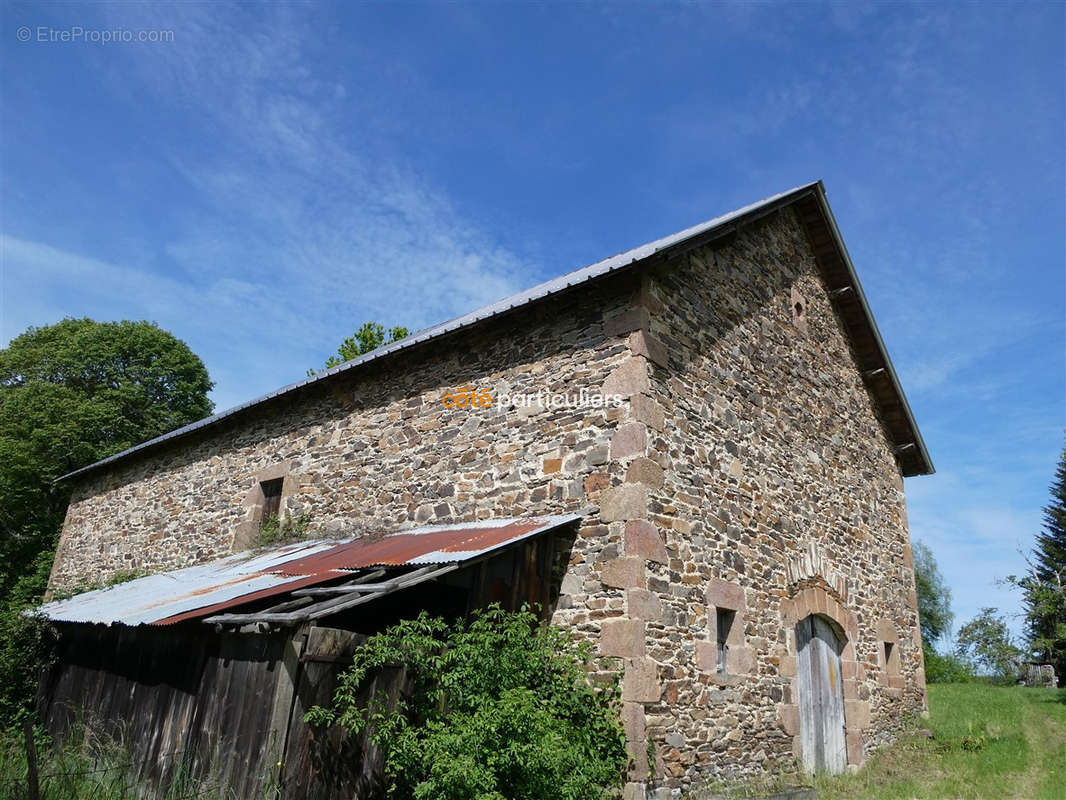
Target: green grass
(92,766)
(988,742)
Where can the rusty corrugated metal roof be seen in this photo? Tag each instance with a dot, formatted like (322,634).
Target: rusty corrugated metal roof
(231,582)
(422,546)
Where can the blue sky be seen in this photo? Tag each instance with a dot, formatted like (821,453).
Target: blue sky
(277,173)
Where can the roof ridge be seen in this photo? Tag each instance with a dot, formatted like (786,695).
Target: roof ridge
(553,286)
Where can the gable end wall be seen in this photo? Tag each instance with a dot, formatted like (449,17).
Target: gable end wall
(772,493)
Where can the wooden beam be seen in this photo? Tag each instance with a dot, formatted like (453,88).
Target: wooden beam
(344,603)
(336,604)
(358,587)
(288,678)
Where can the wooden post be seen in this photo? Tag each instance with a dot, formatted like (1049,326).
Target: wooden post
(31,762)
(288,677)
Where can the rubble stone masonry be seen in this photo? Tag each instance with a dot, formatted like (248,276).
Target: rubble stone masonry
(746,471)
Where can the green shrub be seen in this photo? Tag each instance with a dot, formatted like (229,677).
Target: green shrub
(500,707)
(941,668)
(27,649)
(275,530)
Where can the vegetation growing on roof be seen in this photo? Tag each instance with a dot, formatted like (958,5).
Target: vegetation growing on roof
(276,530)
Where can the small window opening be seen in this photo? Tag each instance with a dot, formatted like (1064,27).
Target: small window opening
(888,654)
(724,620)
(799,309)
(271,498)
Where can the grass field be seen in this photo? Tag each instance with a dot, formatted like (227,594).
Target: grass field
(988,742)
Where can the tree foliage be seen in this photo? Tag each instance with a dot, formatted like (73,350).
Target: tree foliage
(501,707)
(70,394)
(946,667)
(370,336)
(1044,586)
(985,642)
(934,596)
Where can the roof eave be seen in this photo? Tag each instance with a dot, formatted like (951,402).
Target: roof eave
(696,237)
(925,459)
(699,235)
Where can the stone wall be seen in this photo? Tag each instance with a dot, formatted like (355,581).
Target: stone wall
(764,485)
(372,452)
(745,472)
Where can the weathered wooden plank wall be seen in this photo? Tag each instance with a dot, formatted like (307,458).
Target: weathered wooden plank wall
(322,765)
(225,706)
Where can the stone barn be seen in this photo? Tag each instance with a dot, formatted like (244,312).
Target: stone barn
(691,453)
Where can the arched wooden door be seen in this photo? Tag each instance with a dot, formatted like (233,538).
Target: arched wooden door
(821,696)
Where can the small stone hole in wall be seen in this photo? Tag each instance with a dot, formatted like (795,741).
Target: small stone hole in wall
(888,655)
(724,623)
(798,305)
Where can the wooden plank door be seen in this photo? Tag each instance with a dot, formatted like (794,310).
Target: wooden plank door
(821,696)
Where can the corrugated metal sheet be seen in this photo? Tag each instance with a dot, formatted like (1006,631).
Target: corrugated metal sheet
(240,579)
(420,546)
(563,282)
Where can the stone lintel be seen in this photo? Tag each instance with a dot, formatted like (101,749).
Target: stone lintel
(723,594)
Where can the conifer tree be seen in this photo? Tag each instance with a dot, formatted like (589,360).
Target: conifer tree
(1045,585)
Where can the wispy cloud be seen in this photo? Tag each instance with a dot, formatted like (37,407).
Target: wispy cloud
(293,231)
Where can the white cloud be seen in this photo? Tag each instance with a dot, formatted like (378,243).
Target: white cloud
(293,231)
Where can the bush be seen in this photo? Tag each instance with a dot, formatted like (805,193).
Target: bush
(27,649)
(940,668)
(500,707)
(276,530)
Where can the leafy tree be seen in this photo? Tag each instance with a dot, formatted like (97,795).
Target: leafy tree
(985,642)
(370,336)
(934,596)
(500,707)
(1044,587)
(70,394)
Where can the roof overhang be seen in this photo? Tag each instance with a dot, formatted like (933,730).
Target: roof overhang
(833,259)
(868,348)
(307,580)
